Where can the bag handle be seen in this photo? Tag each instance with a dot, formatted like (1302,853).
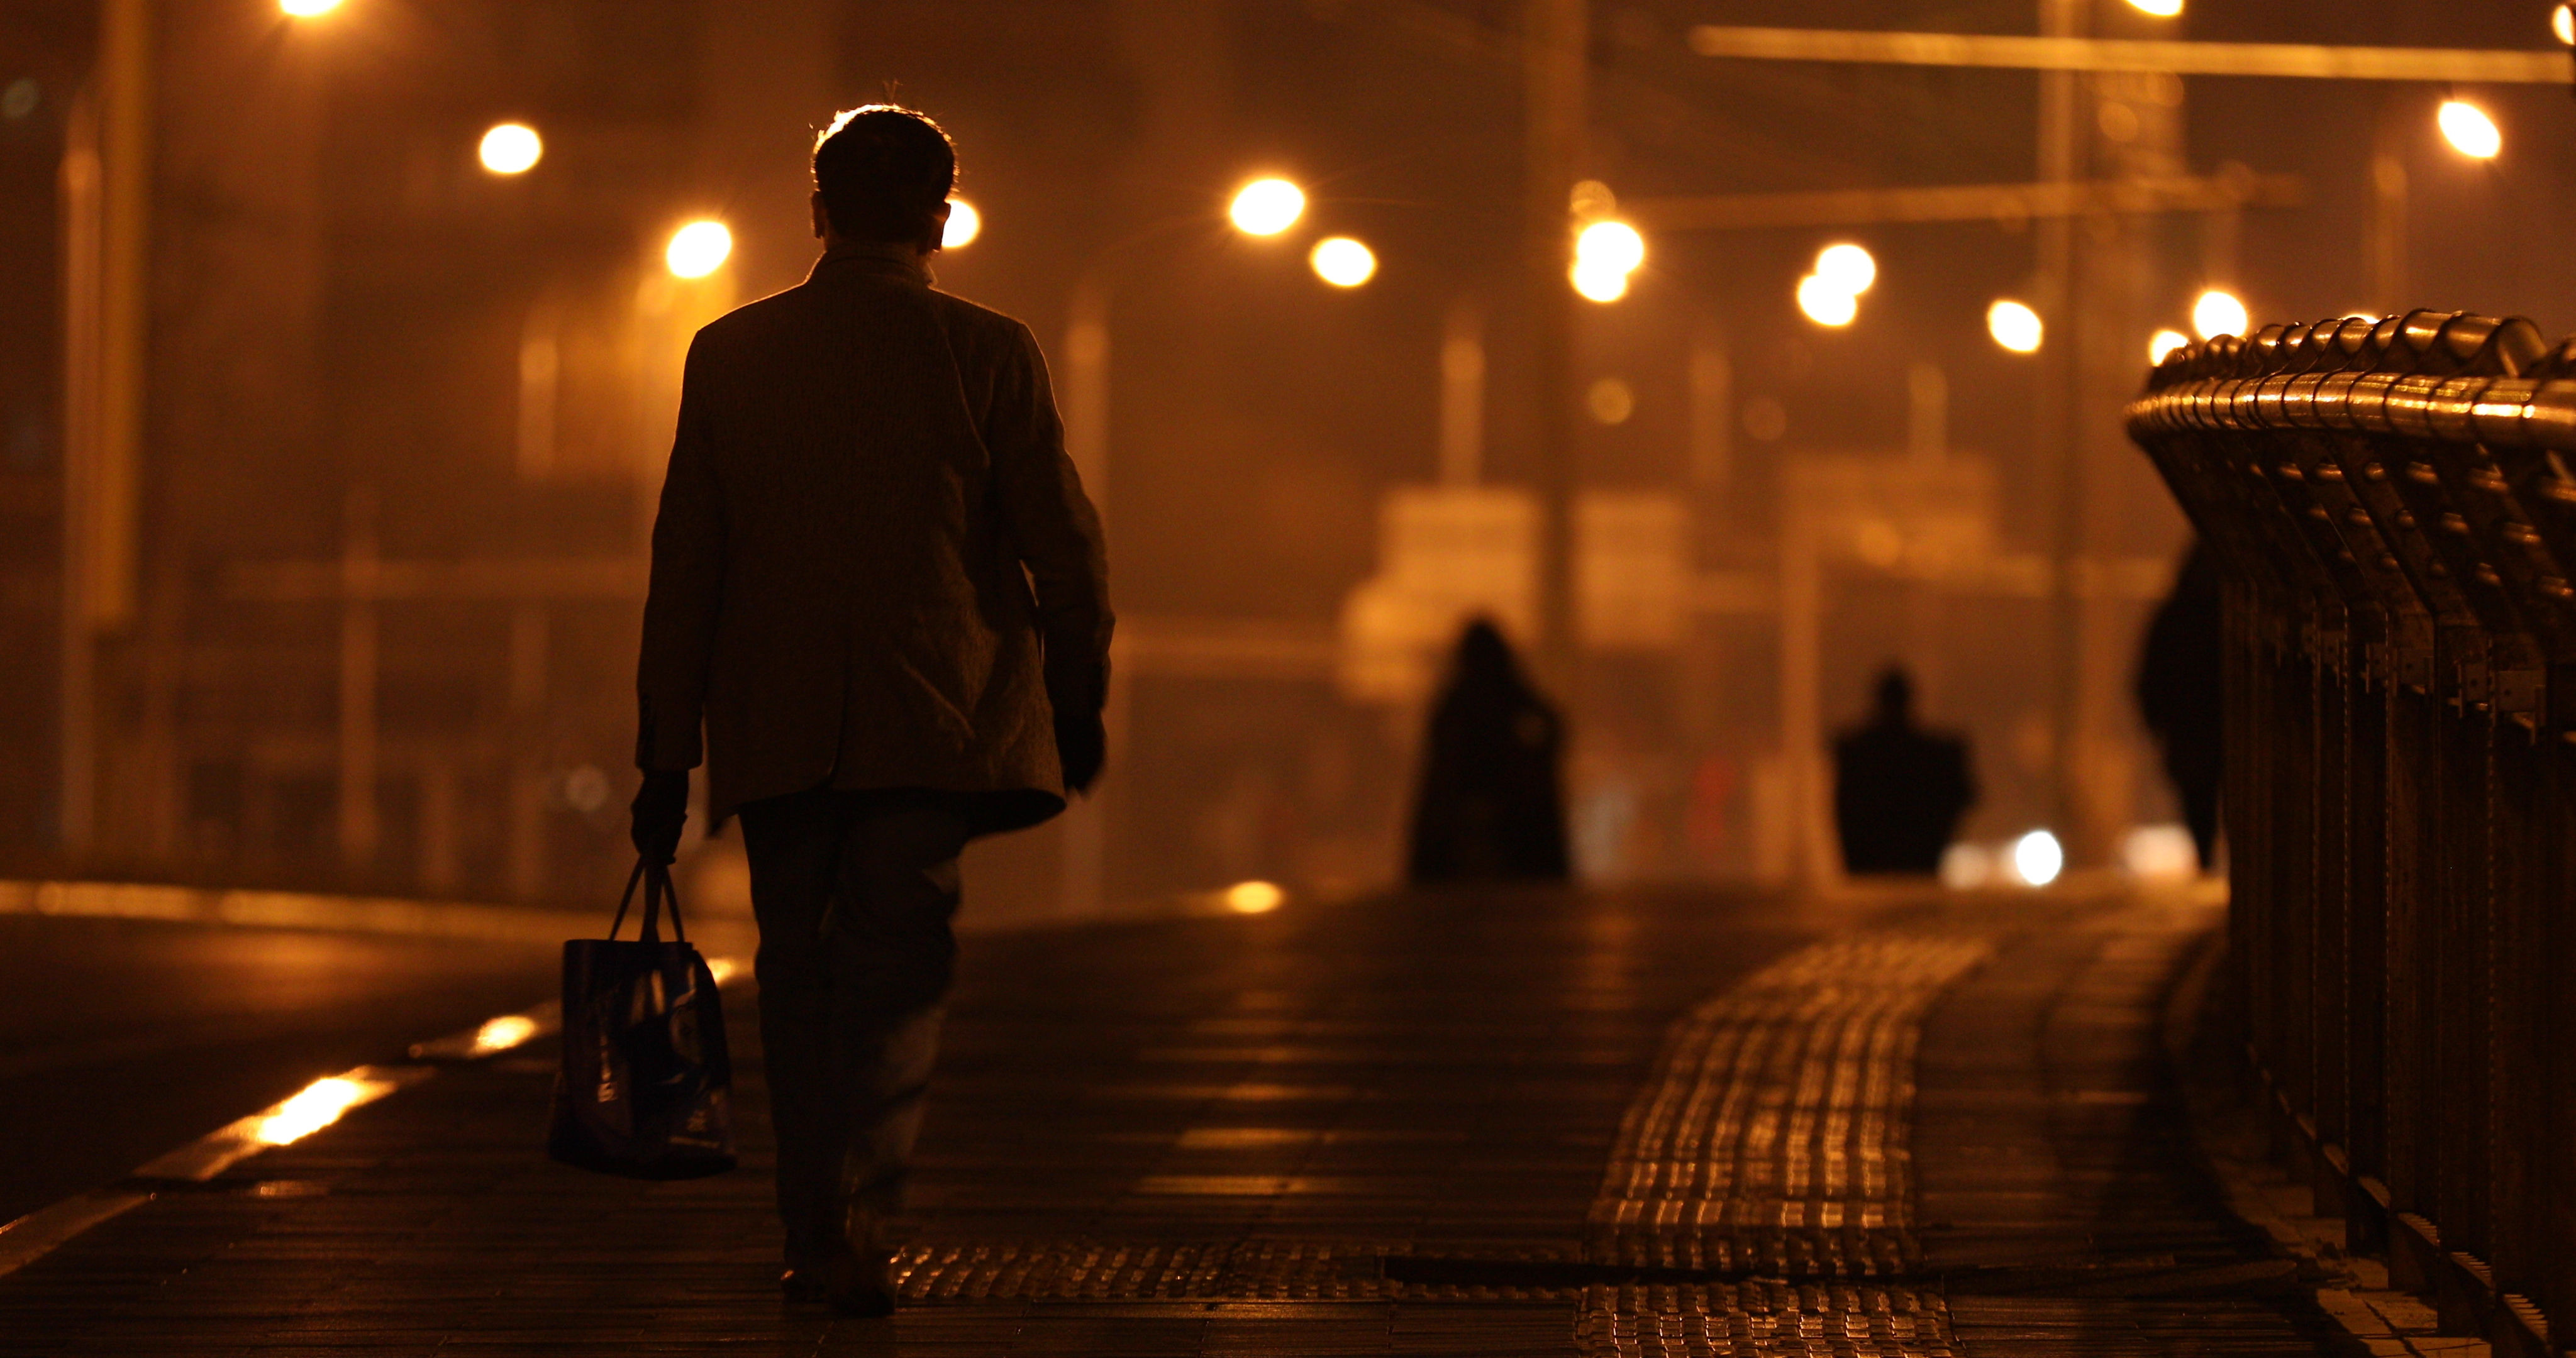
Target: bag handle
(658,887)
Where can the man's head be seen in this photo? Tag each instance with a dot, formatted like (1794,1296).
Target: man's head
(883,173)
(1895,694)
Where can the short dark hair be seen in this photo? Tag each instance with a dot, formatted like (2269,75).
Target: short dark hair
(882,171)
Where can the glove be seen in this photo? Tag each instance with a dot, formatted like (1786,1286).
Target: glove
(660,808)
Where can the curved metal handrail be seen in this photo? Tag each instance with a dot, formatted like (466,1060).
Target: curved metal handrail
(2444,376)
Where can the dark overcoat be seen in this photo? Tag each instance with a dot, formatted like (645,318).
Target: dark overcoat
(874,565)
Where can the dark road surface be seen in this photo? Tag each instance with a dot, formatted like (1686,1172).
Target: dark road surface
(120,1039)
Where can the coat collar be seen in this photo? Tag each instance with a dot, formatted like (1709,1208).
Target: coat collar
(882,258)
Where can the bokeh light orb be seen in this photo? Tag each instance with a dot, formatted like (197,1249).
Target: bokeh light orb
(307,9)
(2037,858)
(2218,312)
(2469,130)
(2015,326)
(1342,262)
(1611,246)
(964,225)
(698,249)
(1825,302)
(1848,267)
(1266,207)
(2562,22)
(2162,9)
(1597,283)
(511,148)
(1254,898)
(2164,342)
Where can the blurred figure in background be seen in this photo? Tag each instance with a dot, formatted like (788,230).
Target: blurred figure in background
(1899,790)
(1490,807)
(2179,695)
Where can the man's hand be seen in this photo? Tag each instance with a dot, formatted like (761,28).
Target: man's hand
(661,808)
(1081,745)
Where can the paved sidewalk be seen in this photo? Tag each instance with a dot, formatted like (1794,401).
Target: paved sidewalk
(1646,1123)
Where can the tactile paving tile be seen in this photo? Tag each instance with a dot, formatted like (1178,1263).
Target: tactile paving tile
(1772,1140)
(1213,1270)
(1765,1319)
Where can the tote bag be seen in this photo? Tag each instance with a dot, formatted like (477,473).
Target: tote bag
(646,1086)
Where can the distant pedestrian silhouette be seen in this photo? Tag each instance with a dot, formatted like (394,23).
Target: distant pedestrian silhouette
(1490,809)
(1899,790)
(2178,695)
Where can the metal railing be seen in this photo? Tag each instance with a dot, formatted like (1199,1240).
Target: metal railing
(2393,505)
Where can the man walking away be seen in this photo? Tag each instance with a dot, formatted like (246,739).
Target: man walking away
(879,586)
(1899,790)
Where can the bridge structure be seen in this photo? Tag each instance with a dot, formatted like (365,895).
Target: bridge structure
(2394,508)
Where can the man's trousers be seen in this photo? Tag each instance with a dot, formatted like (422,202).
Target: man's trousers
(855,892)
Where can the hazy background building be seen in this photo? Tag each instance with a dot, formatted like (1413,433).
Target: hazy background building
(362,614)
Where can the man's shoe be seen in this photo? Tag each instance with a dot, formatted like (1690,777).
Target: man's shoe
(852,1285)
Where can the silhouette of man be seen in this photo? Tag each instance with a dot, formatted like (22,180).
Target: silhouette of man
(1489,808)
(1899,790)
(878,584)
(2179,695)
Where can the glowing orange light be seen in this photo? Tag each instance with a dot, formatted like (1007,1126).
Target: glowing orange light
(698,249)
(1266,207)
(511,148)
(964,225)
(2014,326)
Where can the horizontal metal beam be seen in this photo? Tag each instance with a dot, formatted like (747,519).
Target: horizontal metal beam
(2277,59)
(2009,203)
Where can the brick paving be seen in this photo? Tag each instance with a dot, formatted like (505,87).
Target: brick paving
(1497,1124)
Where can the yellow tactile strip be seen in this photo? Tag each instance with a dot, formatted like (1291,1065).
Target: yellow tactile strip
(1769,1319)
(1773,1140)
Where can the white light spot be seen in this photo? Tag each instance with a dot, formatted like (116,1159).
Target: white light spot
(1266,207)
(698,249)
(2469,130)
(2037,858)
(511,148)
(1847,267)
(2015,326)
(2219,313)
(1824,303)
(1342,262)
(964,225)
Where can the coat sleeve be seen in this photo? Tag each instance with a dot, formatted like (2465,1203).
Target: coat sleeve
(687,590)
(1053,528)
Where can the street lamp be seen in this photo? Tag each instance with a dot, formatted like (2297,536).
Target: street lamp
(1824,303)
(2164,342)
(511,148)
(964,225)
(2014,326)
(1831,294)
(1605,253)
(2218,313)
(698,249)
(2469,130)
(1847,268)
(1343,262)
(1266,207)
(2562,21)
(308,9)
